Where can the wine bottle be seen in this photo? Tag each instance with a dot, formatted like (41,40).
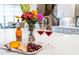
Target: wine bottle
(18,32)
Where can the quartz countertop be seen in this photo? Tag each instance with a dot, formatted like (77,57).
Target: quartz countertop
(55,44)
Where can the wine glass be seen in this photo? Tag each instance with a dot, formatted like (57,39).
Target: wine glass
(48,32)
(48,36)
(40,31)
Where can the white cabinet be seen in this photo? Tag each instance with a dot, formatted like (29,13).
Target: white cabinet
(66,14)
(65,10)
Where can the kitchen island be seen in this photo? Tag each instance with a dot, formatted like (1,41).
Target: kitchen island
(57,44)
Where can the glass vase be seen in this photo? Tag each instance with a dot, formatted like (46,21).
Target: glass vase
(31,36)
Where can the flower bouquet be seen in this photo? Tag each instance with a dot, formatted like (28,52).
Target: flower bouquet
(31,17)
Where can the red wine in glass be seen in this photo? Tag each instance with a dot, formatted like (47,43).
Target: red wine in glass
(40,32)
(48,33)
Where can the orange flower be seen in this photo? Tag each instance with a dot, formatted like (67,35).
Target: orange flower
(35,13)
(35,16)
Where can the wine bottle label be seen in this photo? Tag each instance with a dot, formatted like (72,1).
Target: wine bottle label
(18,24)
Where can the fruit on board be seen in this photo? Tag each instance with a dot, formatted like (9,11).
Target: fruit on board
(22,47)
(14,44)
(31,47)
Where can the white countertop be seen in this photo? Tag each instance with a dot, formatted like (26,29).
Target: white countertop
(57,44)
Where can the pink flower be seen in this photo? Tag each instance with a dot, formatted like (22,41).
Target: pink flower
(40,16)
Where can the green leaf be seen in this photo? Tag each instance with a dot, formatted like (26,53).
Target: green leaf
(25,7)
(28,21)
(34,21)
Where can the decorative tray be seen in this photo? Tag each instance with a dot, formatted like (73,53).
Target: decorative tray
(6,47)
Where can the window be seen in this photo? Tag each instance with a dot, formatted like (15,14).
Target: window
(8,13)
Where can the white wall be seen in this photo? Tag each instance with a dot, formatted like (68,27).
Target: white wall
(33,7)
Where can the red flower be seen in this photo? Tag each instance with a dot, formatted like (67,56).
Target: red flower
(30,15)
(27,15)
(24,15)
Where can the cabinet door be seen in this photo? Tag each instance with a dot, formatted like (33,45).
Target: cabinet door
(65,10)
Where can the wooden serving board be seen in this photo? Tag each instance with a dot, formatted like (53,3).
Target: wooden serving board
(21,52)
